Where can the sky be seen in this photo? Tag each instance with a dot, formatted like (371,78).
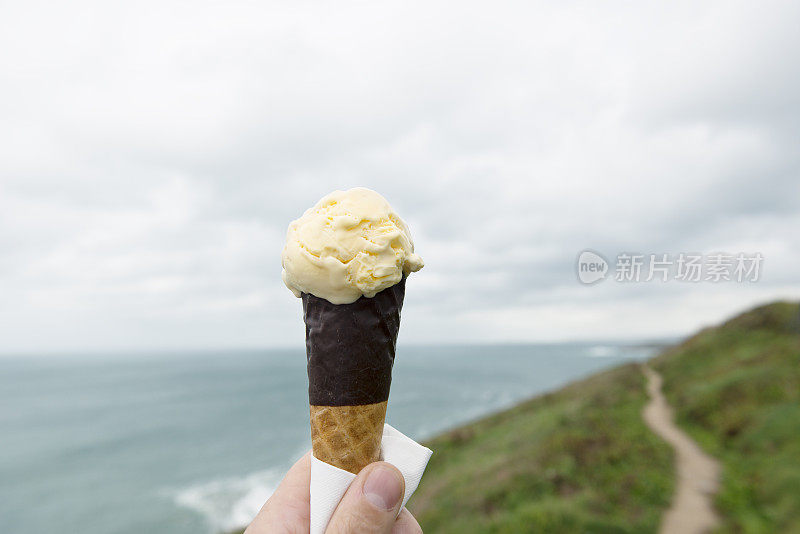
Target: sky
(152,155)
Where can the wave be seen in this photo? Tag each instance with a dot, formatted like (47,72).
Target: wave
(232,502)
(601,351)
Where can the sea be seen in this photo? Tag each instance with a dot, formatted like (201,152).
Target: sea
(195,442)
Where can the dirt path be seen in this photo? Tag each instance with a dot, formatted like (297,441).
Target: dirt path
(691,511)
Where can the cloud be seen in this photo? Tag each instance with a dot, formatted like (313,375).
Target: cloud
(153,155)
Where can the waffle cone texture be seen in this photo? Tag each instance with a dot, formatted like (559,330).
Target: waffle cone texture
(348,437)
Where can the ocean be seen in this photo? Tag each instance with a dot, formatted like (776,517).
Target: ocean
(196,442)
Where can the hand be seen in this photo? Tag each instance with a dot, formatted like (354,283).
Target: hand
(369,507)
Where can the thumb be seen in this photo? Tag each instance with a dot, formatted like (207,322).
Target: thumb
(372,502)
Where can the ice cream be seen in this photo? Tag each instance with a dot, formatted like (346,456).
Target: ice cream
(350,244)
(348,258)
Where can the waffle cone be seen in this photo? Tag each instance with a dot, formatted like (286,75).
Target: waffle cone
(348,437)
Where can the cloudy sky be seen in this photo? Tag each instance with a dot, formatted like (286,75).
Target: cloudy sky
(153,153)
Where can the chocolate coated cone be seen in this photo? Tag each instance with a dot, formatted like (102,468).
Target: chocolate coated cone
(348,437)
(350,347)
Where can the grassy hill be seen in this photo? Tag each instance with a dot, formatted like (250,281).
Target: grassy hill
(581,460)
(577,460)
(736,390)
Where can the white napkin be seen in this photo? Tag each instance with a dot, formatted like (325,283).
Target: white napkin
(329,483)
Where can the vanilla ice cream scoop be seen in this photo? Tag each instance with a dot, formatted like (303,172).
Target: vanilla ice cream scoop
(351,243)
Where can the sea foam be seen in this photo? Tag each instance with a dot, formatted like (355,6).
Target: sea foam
(601,351)
(232,502)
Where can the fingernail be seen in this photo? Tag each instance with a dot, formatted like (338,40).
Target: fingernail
(383,488)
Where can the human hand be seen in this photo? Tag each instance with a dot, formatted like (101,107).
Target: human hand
(369,507)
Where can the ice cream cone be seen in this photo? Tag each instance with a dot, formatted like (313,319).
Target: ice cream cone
(348,258)
(348,437)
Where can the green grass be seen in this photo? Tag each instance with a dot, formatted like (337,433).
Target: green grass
(578,460)
(736,390)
